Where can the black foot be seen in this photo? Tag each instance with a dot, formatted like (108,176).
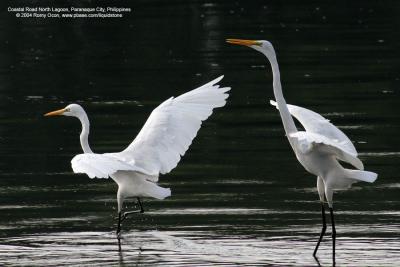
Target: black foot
(140,205)
(122,216)
(323,230)
(125,215)
(316,259)
(333,237)
(119,243)
(119,225)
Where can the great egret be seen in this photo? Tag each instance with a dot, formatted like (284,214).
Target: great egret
(157,149)
(319,148)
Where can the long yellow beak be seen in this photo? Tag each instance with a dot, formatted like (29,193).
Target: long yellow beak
(55,113)
(243,42)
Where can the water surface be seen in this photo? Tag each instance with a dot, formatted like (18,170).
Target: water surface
(239,195)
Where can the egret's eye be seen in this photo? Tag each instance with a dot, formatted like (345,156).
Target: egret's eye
(67,110)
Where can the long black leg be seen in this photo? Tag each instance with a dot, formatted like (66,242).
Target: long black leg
(316,259)
(323,229)
(125,215)
(122,217)
(119,246)
(333,236)
(140,204)
(119,223)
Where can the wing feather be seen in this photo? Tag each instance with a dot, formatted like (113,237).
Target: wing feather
(315,123)
(164,138)
(171,128)
(100,165)
(307,141)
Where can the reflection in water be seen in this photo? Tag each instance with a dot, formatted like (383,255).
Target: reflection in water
(238,196)
(184,248)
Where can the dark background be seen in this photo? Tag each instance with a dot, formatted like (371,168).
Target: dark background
(239,179)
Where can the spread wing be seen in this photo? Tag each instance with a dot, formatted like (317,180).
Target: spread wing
(164,138)
(315,123)
(307,141)
(172,126)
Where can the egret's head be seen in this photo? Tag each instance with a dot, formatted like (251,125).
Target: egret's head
(73,110)
(262,46)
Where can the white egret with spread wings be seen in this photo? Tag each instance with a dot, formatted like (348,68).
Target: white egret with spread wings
(157,149)
(319,148)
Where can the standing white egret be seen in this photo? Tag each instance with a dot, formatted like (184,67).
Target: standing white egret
(319,148)
(157,149)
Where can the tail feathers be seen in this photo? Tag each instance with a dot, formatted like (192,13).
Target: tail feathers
(158,192)
(365,176)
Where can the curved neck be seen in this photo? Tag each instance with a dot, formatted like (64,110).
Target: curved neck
(288,122)
(84,137)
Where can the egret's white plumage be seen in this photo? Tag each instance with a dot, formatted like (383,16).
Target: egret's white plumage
(315,123)
(320,147)
(171,127)
(157,149)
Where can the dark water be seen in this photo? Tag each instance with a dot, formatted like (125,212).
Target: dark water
(239,195)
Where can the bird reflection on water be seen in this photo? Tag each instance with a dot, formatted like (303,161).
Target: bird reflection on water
(256,246)
(50,215)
